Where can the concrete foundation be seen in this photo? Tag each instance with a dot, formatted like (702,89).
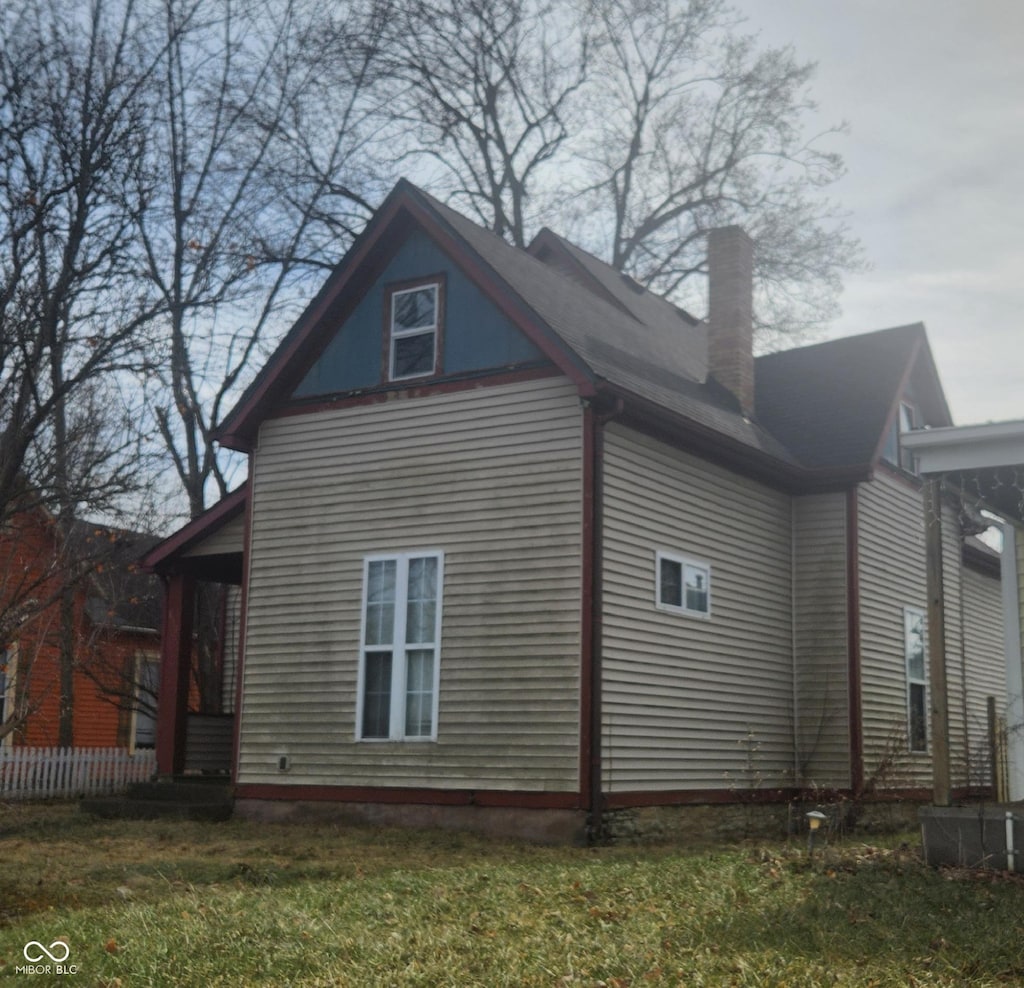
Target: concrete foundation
(974,836)
(697,825)
(691,825)
(541,826)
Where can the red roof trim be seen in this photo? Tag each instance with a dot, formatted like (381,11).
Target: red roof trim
(276,376)
(383,395)
(894,407)
(196,530)
(920,351)
(422,796)
(508,302)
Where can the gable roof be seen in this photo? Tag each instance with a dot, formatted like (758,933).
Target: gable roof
(172,548)
(826,407)
(831,404)
(590,338)
(615,346)
(404,208)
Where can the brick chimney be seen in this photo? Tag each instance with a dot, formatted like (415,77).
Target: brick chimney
(731,312)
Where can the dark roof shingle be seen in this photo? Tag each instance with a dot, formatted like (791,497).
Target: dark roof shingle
(614,345)
(821,406)
(829,403)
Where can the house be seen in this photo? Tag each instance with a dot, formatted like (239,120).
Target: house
(524,545)
(114,634)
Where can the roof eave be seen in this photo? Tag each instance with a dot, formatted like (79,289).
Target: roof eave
(229,507)
(710,444)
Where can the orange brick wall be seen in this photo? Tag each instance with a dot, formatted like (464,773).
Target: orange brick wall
(27,572)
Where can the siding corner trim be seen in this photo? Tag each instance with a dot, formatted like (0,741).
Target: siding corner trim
(853,642)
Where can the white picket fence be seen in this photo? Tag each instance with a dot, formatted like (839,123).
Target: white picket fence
(52,773)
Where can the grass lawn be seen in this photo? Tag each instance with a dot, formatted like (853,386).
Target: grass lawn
(154,903)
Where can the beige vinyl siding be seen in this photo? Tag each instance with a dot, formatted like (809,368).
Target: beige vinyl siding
(822,640)
(891,552)
(688,702)
(1019,543)
(984,668)
(230,537)
(493,478)
(891,559)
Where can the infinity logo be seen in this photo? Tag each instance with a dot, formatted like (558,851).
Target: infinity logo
(57,957)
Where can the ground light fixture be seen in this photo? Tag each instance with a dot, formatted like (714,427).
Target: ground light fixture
(814,821)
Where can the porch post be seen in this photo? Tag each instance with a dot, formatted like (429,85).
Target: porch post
(937,642)
(1013,632)
(175,669)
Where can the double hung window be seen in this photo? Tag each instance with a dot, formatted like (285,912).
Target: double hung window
(400,650)
(414,328)
(917,679)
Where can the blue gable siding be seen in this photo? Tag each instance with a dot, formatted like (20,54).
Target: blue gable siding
(476,335)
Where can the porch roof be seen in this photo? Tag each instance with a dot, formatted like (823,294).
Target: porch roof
(172,554)
(985,461)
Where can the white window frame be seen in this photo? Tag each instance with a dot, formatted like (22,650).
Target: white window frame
(8,658)
(141,659)
(683,562)
(907,419)
(398,646)
(916,613)
(398,333)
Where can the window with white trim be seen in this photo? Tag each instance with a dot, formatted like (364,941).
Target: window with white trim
(683,585)
(917,678)
(906,420)
(8,658)
(400,647)
(147,685)
(415,317)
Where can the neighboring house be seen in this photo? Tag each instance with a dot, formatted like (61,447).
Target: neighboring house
(115,633)
(522,540)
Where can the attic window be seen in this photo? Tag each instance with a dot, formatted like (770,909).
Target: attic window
(917,678)
(414,327)
(905,422)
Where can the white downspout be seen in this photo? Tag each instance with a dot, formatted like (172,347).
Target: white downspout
(1010,862)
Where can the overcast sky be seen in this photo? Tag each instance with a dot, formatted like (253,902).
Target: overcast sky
(933,93)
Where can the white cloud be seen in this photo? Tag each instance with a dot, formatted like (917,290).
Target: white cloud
(933,91)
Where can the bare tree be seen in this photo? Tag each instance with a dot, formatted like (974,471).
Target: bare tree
(71,144)
(256,136)
(695,126)
(634,125)
(486,90)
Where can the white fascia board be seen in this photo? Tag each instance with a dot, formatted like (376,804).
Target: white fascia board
(966,447)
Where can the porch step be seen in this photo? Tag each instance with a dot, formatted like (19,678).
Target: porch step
(170,800)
